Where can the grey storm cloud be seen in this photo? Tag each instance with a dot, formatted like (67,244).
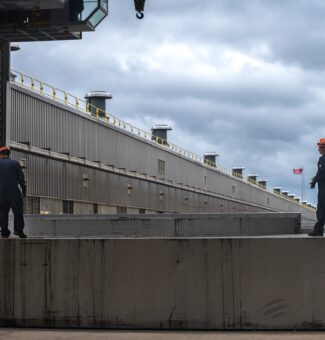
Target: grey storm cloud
(243,78)
(293,29)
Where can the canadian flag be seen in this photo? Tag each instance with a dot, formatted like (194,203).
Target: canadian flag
(297,171)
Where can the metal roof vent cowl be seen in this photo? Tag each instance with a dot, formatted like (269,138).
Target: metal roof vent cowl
(96,102)
(210,158)
(262,183)
(252,178)
(238,171)
(159,133)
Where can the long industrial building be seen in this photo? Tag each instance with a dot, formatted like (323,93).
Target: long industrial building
(79,159)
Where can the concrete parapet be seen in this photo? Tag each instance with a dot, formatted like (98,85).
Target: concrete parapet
(225,283)
(166,225)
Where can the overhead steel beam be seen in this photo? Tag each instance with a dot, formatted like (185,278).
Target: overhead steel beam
(4,92)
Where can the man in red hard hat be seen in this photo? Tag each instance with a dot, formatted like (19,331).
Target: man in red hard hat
(320,180)
(11,175)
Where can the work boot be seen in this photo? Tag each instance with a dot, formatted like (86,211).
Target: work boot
(316,233)
(5,233)
(21,234)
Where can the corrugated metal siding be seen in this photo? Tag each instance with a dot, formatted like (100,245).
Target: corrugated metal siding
(46,124)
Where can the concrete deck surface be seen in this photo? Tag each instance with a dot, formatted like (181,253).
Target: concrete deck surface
(46,334)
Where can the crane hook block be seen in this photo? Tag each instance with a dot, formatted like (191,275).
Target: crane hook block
(140,15)
(139,7)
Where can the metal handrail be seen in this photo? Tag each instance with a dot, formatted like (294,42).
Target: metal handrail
(76,103)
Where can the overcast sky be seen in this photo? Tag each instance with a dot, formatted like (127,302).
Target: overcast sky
(244,78)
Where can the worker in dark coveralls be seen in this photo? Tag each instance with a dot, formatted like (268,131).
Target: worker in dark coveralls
(320,180)
(11,175)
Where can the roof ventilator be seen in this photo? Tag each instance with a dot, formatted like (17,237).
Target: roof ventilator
(96,102)
(262,183)
(238,171)
(252,178)
(159,133)
(210,158)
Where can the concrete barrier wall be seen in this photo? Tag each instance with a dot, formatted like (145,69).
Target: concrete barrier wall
(166,225)
(239,283)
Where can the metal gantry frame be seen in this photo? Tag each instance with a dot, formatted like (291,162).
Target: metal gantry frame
(19,31)
(4,92)
(17,24)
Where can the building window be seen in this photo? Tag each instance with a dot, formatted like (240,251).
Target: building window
(161,166)
(142,211)
(68,207)
(95,208)
(33,205)
(121,210)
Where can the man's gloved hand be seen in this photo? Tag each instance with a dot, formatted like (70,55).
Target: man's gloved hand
(312,183)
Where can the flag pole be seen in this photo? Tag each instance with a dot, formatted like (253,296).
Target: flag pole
(302,183)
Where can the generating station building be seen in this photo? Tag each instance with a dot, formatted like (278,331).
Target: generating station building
(79,159)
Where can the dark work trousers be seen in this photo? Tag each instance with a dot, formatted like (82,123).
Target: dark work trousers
(320,213)
(14,201)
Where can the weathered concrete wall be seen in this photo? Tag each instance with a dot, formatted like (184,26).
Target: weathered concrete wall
(166,225)
(240,283)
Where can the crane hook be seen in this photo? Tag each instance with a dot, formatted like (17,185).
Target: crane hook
(140,15)
(139,7)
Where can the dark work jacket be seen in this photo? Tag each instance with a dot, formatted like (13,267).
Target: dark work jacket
(320,176)
(11,175)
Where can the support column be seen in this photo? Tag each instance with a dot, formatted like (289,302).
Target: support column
(4,92)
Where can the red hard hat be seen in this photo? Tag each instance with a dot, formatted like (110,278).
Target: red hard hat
(321,142)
